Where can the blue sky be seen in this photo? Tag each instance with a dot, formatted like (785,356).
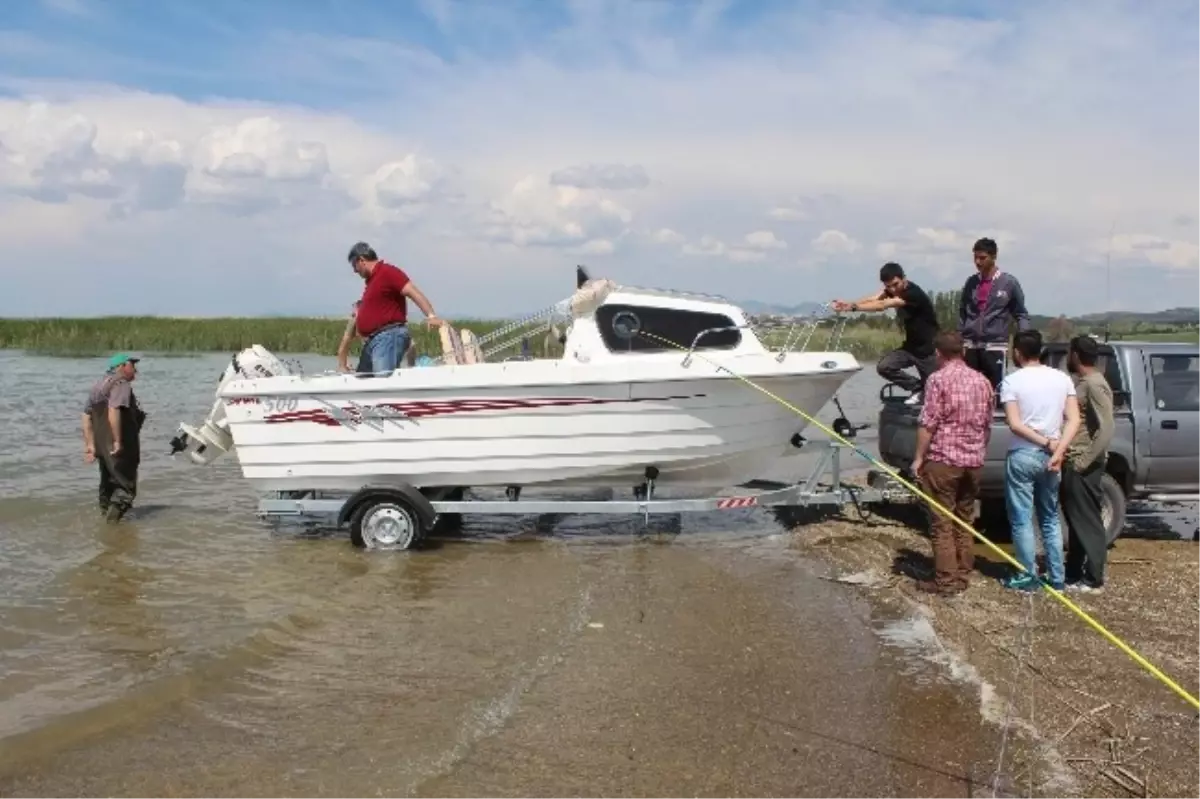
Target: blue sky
(220,157)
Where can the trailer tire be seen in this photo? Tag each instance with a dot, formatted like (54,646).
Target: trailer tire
(386,523)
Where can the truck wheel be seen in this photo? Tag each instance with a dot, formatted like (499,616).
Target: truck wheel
(1112,507)
(387,523)
(1112,510)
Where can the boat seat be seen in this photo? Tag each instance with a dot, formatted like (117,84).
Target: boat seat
(459,347)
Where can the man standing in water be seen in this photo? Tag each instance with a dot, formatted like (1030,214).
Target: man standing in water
(112,426)
(991,300)
(915,312)
(382,315)
(1082,491)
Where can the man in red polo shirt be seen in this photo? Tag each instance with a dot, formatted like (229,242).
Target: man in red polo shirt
(382,318)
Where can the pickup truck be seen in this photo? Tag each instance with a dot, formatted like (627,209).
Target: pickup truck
(1155,452)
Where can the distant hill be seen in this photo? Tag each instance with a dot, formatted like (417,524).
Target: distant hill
(1171,316)
(803,309)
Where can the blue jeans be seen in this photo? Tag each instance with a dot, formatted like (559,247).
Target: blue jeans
(385,350)
(1028,484)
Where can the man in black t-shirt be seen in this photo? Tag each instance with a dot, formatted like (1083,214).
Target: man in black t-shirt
(916,313)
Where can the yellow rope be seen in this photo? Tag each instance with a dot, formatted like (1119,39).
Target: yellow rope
(1128,650)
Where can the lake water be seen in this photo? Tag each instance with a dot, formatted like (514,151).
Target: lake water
(192,649)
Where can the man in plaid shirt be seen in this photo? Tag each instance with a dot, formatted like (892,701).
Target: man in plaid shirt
(956,424)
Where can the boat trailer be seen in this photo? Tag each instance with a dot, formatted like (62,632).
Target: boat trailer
(399,516)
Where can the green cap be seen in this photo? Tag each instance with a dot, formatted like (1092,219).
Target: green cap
(119,360)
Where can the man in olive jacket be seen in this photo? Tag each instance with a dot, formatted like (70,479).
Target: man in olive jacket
(112,426)
(991,300)
(1083,469)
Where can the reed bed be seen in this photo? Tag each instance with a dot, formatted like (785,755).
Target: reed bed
(165,335)
(87,337)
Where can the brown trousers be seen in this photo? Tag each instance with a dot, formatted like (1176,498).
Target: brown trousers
(955,489)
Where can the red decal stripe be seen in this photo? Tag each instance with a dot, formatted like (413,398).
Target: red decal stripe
(418,409)
(736,502)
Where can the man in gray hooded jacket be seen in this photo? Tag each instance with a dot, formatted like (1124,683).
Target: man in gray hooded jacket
(991,300)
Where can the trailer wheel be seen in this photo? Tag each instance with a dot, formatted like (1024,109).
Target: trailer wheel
(386,523)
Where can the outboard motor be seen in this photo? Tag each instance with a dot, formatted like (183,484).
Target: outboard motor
(212,438)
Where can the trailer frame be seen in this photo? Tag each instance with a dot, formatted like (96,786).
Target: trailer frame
(397,516)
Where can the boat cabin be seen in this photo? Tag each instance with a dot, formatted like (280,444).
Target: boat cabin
(603,320)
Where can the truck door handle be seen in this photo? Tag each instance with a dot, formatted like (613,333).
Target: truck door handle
(1170,424)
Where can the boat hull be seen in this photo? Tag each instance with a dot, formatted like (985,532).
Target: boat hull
(706,431)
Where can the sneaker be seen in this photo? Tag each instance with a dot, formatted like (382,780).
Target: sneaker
(915,399)
(1021,582)
(1085,587)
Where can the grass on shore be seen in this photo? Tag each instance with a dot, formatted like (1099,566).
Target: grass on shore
(96,336)
(164,335)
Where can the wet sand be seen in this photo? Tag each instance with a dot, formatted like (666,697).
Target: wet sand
(640,667)
(1086,720)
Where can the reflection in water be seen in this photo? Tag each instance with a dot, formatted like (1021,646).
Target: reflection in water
(108,592)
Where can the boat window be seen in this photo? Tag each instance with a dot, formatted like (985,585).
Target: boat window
(632,328)
(1175,382)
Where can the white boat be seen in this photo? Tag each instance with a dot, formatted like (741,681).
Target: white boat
(645,386)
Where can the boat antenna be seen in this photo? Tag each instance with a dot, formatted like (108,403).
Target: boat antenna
(1108,282)
(581,276)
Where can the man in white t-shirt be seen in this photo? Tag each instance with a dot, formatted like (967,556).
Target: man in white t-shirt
(1037,399)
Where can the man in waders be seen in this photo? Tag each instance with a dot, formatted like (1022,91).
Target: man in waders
(112,426)
(990,302)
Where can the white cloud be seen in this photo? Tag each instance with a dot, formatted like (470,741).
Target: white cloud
(614,177)
(634,132)
(667,236)
(254,164)
(764,240)
(945,252)
(535,213)
(939,238)
(755,246)
(1171,253)
(787,213)
(706,246)
(835,242)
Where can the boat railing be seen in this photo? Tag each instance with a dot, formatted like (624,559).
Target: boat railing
(519,334)
(821,330)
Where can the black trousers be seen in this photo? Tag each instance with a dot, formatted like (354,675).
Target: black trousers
(118,483)
(987,363)
(891,368)
(1087,543)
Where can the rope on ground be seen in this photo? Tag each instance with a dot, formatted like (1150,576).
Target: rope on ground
(933,503)
(1025,645)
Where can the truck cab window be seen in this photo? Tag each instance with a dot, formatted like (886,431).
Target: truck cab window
(1055,356)
(1175,382)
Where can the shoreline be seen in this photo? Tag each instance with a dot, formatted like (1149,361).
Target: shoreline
(1088,720)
